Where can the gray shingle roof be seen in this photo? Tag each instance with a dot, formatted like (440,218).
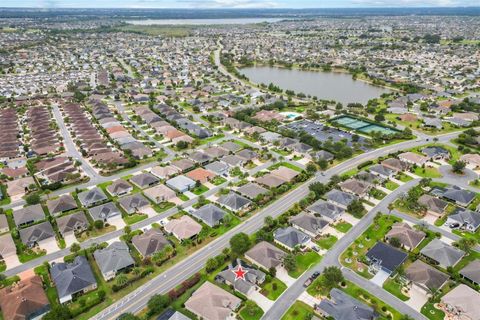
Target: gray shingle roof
(104,211)
(210,214)
(309,222)
(144,180)
(72,223)
(32,235)
(344,307)
(63,203)
(443,253)
(290,237)
(92,196)
(472,271)
(114,257)
(70,278)
(28,214)
(233,201)
(340,197)
(133,202)
(150,242)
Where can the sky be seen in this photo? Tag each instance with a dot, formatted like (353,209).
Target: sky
(219,4)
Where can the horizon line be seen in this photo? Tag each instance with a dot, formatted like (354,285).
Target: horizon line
(257,8)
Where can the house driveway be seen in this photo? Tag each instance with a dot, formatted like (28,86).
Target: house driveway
(117,222)
(12,261)
(70,239)
(334,232)
(283,276)
(417,298)
(150,212)
(397,181)
(262,301)
(49,245)
(308,299)
(380,278)
(350,219)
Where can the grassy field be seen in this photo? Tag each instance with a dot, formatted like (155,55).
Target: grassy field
(391,185)
(273,289)
(305,261)
(298,311)
(343,226)
(252,314)
(427,172)
(326,242)
(158,30)
(395,288)
(284,164)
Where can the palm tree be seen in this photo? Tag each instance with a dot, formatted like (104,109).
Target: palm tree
(122,279)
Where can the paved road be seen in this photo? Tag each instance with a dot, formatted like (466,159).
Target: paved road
(331,259)
(137,300)
(70,146)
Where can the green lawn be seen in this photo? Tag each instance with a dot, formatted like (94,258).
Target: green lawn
(326,242)
(164,206)
(218,180)
(273,289)
(305,261)
(183,197)
(254,313)
(212,138)
(343,226)
(299,311)
(432,313)
(427,172)
(134,218)
(395,288)
(377,194)
(199,190)
(404,178)
(391,185)
(284,164)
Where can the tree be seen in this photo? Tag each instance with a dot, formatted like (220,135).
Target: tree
(356,208)
(318,188)
(98,224)
(211,264)
(458,167)
(465,244)
(311,168)
(75,247)
(379,117)
(59,312)
(127,229)
(127,316)
(240,243)
(122,279)
(322,163)
(390,207)
(157,303)
(290,262)
(395,242)
(332,276)
(32,199)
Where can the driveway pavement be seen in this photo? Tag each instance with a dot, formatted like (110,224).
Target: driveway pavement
(262,301)
(380,278)
(417,298)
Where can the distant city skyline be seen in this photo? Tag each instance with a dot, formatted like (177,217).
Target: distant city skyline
(225,4)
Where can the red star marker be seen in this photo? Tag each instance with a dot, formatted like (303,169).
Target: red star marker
(240,273)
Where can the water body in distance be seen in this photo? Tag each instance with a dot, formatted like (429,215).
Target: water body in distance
(324,85)
(149,22)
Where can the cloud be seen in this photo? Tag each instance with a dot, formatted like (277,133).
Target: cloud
(413,3)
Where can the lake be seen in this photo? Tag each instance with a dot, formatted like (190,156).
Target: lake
(148,22)
(324,85)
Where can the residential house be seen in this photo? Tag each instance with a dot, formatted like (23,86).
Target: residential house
(38,235)
(160,193)
(471,272)
(433,205)
(217,167)
(3,224)
(181,183)
(72,279)
(442,254)
(324,155)
(210,302)
(150,242)
(309,224)
(61,205)
(200,157)
(246,286)
(356,187)
(7,247)
(425,277)
(436,153)
(341,306)
(234,202)
(465,219)
(144,180)
(183,164)
(472,160)
(104,212)
(92,197)
(210,214)
(201,175)
(412,158)
(408,237)
(326,210)
(183,228)
(395,164)
(231,146)
(113,259)
(252,190)
(265,255)
(462,302)
(72,224)
(135,203)
(24,300)
(382,171)
(290,238)
(340,198)
(28,215)
(119,188)
(385,257)
(455,194)
(164,172)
